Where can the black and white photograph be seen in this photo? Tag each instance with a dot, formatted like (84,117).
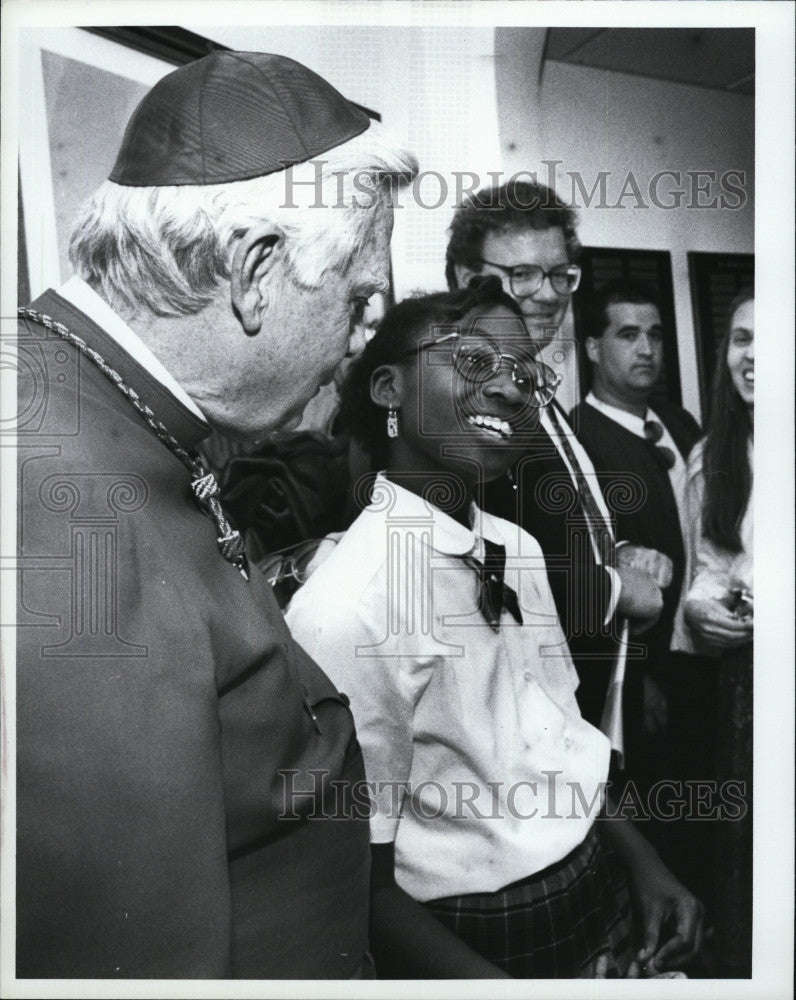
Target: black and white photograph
(379,497)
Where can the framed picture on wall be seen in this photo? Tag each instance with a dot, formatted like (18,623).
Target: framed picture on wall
(716,278)
(79,90)
(80,86)
(652,268)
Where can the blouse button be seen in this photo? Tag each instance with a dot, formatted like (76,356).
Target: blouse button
(528,675)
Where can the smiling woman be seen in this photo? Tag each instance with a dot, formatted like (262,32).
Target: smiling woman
(716,613)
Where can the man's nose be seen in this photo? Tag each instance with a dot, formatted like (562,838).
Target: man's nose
(545,292)
(750,350)
(644,346)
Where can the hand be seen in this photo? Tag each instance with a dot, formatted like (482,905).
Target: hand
(324,550)
(671,918)
(635,971)
(655,708)
(716,625)
(640,599)
(657,564)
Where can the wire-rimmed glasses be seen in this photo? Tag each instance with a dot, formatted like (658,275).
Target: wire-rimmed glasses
(478,361)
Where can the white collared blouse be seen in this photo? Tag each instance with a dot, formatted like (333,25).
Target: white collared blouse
(479,764)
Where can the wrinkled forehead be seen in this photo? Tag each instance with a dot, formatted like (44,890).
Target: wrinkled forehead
(744,316)
(641,314)
(526,245)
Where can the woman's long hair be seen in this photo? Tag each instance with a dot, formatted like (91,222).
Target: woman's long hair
(725,459)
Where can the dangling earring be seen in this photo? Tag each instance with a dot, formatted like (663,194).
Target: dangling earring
(392,423)
(510,477)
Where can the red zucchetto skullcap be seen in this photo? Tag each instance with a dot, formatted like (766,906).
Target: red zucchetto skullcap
(231,116)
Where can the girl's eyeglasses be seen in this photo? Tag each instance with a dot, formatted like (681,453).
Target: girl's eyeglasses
(479,361)
(286,569)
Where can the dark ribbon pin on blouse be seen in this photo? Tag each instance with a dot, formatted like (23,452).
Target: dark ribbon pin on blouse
(493,593)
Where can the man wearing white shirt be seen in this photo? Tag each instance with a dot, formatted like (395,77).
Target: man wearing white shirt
(624,435)
(646,447)
(160,697)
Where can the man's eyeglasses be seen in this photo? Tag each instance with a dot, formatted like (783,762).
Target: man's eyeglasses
(478,361)
(526,279)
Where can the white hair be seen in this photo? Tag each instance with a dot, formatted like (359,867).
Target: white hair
(167,248)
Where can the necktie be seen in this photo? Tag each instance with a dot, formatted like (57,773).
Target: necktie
(611,722)
(598,526)
(664,456)
(493,594)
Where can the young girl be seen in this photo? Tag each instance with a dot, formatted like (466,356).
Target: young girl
(437,620)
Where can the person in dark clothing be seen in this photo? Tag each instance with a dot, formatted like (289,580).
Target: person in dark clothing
(525,235)
(161,702)
(640,446)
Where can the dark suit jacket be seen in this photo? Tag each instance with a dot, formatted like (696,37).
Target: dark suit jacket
(161,722)
(639,493)
(545,504)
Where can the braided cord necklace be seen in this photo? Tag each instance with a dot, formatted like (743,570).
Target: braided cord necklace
(203,483)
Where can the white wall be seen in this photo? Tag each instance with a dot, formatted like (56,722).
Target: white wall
(597,120)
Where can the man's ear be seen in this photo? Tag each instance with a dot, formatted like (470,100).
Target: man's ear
(387,387)
(463,274)
(592,345)
(258,251)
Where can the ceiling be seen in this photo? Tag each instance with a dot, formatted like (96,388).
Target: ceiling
(718,58)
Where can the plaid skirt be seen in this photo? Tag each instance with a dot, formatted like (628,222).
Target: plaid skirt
(553,925)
